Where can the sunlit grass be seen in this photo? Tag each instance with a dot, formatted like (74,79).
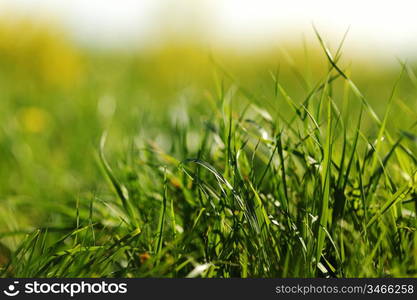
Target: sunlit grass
(292,165)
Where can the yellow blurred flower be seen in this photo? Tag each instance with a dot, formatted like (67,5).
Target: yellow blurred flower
(38,50)
(33,119)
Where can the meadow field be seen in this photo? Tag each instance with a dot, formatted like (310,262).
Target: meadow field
(183,161)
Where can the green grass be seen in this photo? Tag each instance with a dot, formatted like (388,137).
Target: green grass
(243,180)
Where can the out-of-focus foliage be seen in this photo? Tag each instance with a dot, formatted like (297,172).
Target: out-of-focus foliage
(37,51)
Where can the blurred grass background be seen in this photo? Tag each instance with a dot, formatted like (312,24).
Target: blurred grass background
(56,99)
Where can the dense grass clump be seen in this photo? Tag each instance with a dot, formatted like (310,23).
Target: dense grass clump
(243,185)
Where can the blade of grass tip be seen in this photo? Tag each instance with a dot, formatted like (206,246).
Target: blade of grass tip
(267,167)
(397,197)
(360,172)
(33,249)
(77,219)
(275,79)
(299,75)
(376,175)
(403,161)
(245,92)
(340,205)
(121,190)
(318,87)
(322,98)
(316,125)
(308,69)
(90,218)
(353,86)
(325,177)
(288,99)
(219,85)
(173,222)
(22,251)
(229,143)
(260,208)
(283,172)
(43,244)
(345,105)
(328,53)
(369,259)
(342,42)
(410,73)
(384,121)
(161,221)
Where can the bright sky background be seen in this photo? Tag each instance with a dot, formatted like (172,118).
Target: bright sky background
(388,27)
